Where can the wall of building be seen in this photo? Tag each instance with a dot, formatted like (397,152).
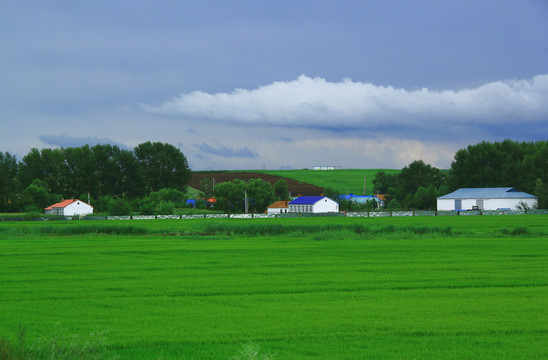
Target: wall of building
(277,210)
(78,208)
(326,205)
(488,204)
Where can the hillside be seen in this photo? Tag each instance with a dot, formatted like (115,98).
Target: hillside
(349,181)
(296,187)
(304,182)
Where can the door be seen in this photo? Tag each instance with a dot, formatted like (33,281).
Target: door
(479,204)
(458,204)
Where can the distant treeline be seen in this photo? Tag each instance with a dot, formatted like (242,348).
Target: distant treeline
(523,165)
(46,176)
(152,178)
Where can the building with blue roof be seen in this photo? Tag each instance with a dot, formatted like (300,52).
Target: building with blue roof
(502,198)
(361,199)
(313,204)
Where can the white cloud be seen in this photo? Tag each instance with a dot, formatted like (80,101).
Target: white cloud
(316,103)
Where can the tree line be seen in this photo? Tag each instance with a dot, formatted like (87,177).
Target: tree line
(153,178)
(107,172)
(237,196)
(523,165)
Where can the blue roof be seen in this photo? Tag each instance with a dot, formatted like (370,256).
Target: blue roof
(361,199)
(306,200)
(487,193)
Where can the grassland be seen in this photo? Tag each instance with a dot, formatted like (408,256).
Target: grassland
(325,288)
(349,181)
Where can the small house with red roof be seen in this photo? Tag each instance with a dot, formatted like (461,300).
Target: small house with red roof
(69,207)
(279,207)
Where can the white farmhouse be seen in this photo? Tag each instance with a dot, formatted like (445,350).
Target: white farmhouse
(69,207)
(486,199)
(279,207)
(313,204)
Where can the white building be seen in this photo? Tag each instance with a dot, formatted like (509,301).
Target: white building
(69,207)
(279,207)
(313,204)
(486,199)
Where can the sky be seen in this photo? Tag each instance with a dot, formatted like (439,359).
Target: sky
(242,85)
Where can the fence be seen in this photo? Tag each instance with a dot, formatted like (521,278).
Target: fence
(365,214)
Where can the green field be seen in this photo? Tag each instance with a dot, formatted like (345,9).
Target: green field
(324,288)
(348,181)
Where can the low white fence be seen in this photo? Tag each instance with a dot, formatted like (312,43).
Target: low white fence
(365,214)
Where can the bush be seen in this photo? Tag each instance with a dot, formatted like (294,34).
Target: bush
(60,345)
(520,230)
(119,207)
(251,351)
(165,208)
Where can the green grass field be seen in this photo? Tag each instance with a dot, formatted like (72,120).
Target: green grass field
(349,181)
(357,288)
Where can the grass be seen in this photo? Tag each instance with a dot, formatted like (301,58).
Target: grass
(348,181)
(180,290)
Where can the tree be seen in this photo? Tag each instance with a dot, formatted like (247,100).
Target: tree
(260,194)
(331,193)
(281,191)
(424,198)
(162,166)
(36,197)
(207,190)
(80,171)
(132,179)
(119,206)
(383,182)
(499,164)
(541,191)
(8,182)
(418,174)
(415,186)
(230,196)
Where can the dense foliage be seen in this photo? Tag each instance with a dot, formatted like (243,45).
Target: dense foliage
(232,196)
(122,180)
(523,165)
(110,174)
(416,186)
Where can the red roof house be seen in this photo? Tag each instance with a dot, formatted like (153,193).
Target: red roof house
(69,207)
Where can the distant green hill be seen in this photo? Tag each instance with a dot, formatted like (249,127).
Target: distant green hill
(349,181)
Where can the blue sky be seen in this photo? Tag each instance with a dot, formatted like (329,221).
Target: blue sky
(275,84)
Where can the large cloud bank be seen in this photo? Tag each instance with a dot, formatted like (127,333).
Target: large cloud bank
(316,103)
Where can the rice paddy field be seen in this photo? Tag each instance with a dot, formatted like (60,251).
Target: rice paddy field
(466,287)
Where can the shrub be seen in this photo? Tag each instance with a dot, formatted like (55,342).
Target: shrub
(119,207)
(60,345)
(520,230)
(251,351)
(165,208)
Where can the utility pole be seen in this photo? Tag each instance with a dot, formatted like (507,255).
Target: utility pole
(364,186)
(245,201)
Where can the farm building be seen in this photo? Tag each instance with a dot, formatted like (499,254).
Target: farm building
(313,204)
(69,207)
(279,207)
(503,198)
(361,199)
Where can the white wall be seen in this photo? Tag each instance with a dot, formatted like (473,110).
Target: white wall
(325,205)
(78,208)
(488,204)
(277,210)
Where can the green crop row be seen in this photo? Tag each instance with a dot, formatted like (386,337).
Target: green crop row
(476,293)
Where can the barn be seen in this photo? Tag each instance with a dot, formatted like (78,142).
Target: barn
(69,207)
(313,204)
(501,198)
